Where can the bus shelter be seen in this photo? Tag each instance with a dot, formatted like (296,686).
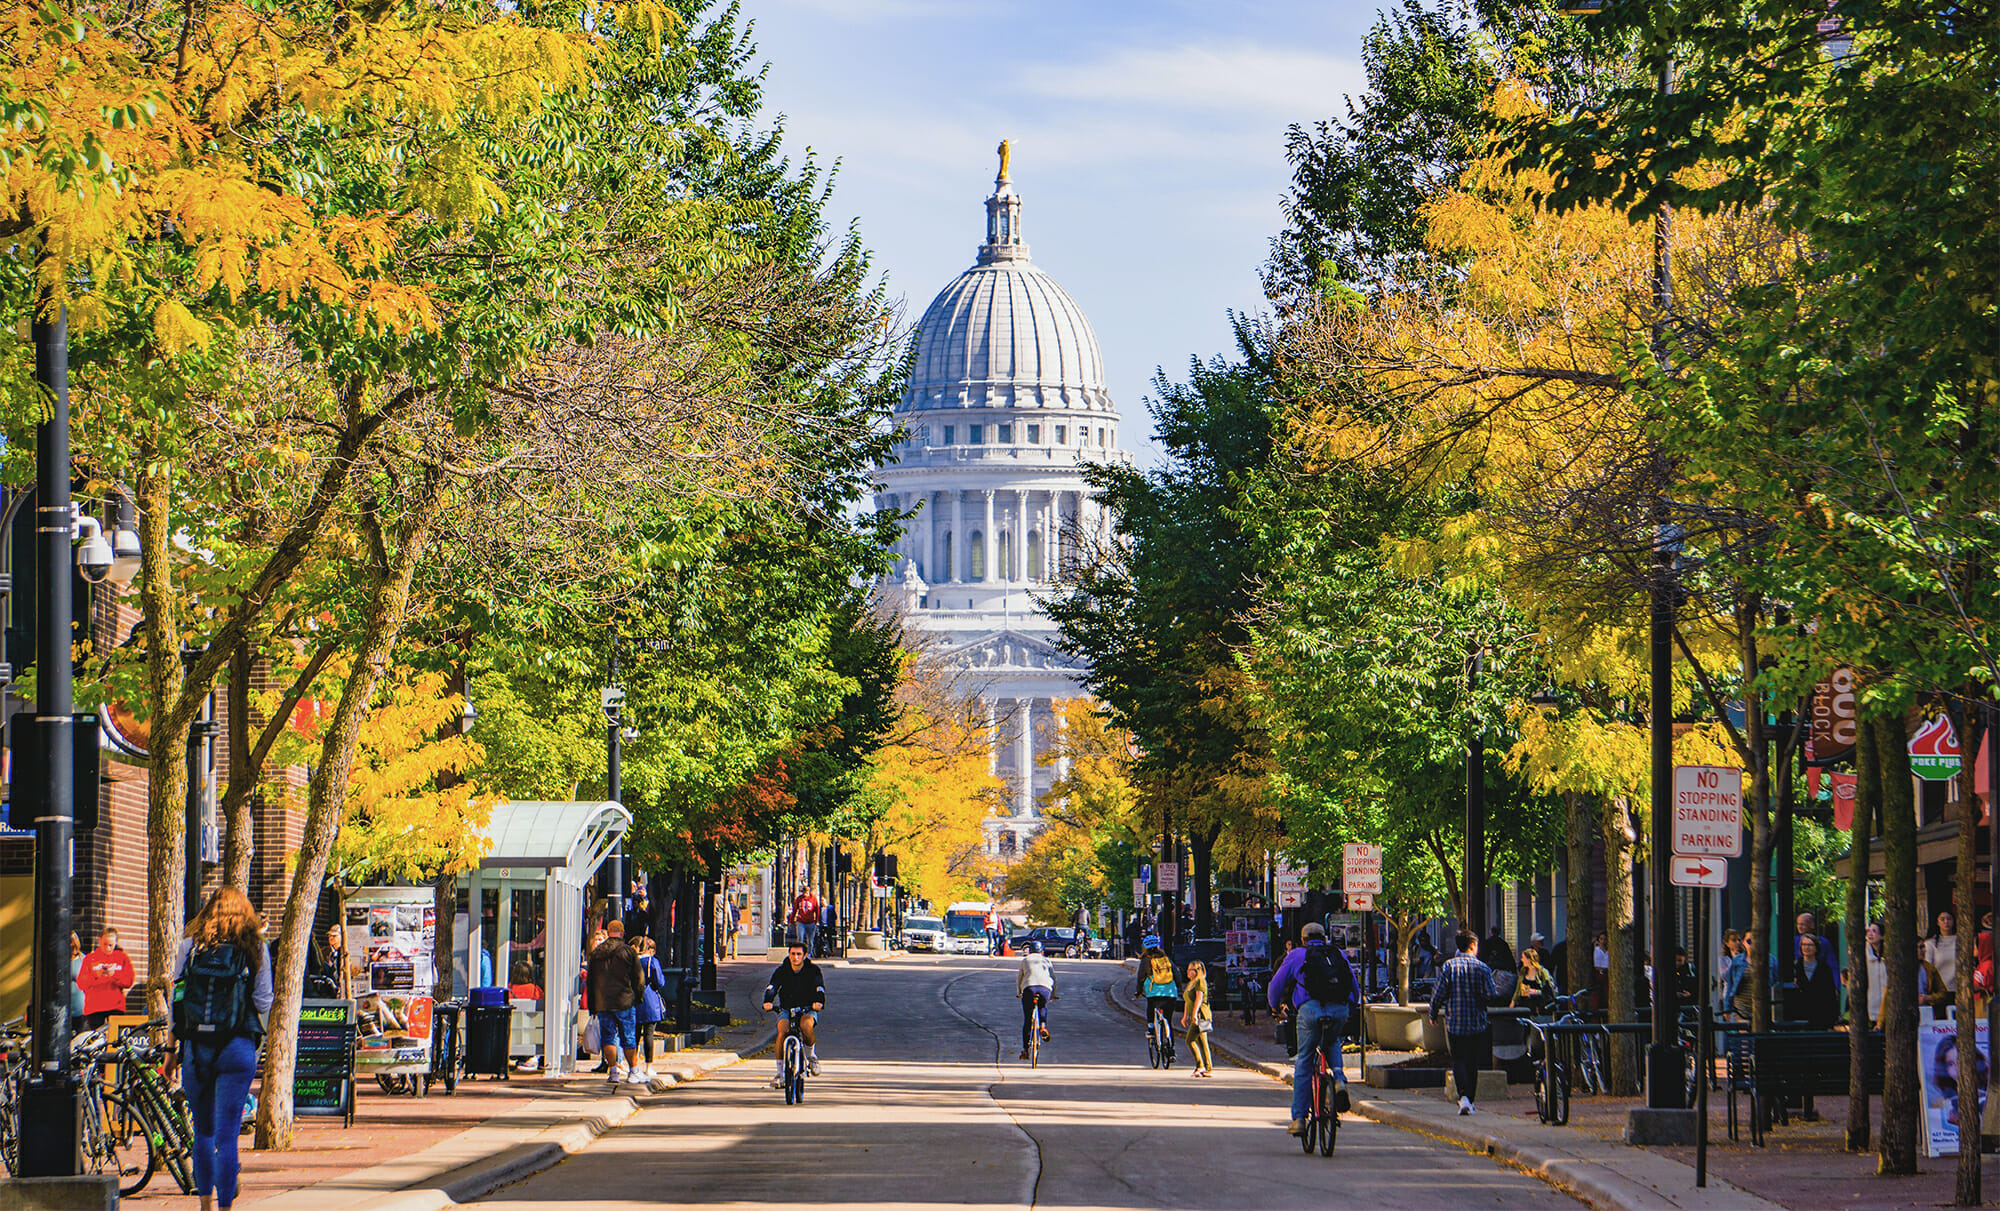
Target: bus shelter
(525,913)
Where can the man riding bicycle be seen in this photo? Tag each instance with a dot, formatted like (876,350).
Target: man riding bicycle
(798,994)
(1316,985)
(1034,983)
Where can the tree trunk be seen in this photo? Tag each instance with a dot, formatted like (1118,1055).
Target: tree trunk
(1902,1109)
(1622,1069)
(1858,1026)
(167,737)
(326,796)
(1203,843)
(444,906)
(1969,1079)
(1578,892)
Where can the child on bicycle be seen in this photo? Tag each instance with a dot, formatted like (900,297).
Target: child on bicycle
(1156,981)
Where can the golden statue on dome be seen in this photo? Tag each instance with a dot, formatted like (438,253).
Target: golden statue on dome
(1006,157)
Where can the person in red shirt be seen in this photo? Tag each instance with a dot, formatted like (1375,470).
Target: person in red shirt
(805,919)
(104,977)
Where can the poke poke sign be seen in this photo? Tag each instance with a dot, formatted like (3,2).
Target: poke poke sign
(1708,811)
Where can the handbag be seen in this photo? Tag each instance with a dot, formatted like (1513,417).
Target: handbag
(652,1007)
(593,1035)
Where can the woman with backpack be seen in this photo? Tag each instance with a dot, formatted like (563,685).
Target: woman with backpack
(222,992)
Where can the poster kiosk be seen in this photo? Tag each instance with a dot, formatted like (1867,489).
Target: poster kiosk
(527,901)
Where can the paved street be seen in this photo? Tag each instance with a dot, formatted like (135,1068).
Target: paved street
(913,1111)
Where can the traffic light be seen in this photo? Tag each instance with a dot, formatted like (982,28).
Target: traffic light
(885,868)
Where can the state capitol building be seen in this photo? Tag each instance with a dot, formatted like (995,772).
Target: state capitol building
(1005,407)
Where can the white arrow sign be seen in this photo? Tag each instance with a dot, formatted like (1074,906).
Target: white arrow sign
(1700,872)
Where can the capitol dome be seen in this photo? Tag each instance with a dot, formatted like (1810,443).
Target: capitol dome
(1004,334)
(1005,410)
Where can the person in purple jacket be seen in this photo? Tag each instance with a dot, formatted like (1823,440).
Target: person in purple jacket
(1317,985)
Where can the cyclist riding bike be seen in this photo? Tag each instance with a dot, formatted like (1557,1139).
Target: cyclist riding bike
(1157,983)
(1034,983)
(797,994)
(1316,985)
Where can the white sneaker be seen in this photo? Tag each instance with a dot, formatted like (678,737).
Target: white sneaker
(812,1065)
(617,1076)
(777,1082)
(642,1075)
(1465,1105)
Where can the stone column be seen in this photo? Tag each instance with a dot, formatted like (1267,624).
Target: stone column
(1024,754)
(961,550)
(931,508)
(1019,572)
(992,740)
(990,539)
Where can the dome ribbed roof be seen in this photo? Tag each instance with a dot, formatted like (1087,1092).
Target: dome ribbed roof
(1005,334)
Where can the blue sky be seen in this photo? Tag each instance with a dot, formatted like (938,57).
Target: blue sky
(1148,145)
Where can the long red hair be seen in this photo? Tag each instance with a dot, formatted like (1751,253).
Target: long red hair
(228,919)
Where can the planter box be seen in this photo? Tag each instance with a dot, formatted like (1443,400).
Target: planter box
(869,939)
(1402,1028)
(1405,1076)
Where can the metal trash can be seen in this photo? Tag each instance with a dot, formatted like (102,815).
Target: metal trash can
(487,1030)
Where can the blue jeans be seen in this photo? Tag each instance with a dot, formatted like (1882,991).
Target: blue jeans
(217,1083)
(619,1028)
(1321,1024)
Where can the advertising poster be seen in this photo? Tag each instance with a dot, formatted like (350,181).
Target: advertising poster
(749,907)
(1937,1065)
(1247,950)
(391,935)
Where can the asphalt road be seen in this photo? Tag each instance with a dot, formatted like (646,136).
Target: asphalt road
(922,1103)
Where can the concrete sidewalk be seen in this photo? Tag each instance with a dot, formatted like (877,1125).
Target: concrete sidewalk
(422,1154)
(1608,1175)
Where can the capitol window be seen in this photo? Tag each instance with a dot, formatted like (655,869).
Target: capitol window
(977,434)
(948,435)
(1034,435)
(978,569)
(1006,434)
(1062,436)
(924,435)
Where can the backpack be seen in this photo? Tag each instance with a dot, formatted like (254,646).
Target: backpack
(1160,972)
(212,1003)
(1325,977)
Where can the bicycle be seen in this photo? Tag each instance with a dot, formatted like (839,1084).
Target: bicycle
(795,1061)
(1160,1041)
(1322,1122)
(14,1038)
(150,1107)
(1035,1032)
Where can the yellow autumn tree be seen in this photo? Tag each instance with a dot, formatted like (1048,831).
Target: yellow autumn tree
(410,813)
(936,789)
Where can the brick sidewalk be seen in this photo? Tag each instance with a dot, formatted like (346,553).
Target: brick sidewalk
(1802,1165)
(389,1128)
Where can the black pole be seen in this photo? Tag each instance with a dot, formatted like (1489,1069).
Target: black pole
(1475,817)
(1665,1061)
(199,739)
(614,722)
(1993,884)
(1705,1040)
(50,1100)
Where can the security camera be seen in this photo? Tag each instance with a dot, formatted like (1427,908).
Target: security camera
(95,556)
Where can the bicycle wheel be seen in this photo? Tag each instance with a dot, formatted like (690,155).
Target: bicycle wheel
(1166,1045)
(1329,1130)
(123,1144)
(1559,1098)
(1309,1132)
(1153,1042)
(1541,1093)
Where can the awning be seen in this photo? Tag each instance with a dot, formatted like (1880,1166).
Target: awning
(568,839)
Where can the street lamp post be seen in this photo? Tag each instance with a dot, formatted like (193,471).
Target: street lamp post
(1475,815)
(50,1113)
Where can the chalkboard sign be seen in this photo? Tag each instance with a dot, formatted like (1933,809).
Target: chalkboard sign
(323,1079)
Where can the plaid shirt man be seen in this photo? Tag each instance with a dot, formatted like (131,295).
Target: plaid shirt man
(1463,989)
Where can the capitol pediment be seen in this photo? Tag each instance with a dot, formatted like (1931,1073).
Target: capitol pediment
(1011,651)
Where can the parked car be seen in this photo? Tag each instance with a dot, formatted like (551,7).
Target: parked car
(1097,948)
(1055,940)
(923,933)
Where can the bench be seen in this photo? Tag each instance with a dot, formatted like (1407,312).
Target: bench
(1773,1068)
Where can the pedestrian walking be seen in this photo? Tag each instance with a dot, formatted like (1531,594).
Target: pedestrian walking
(613,985)
(652,1005)
(805,917)
(75,978)
(105,975)
(1464,990)
(1315,988)
(1818,995)
(1199,1017)
(223,970)
(1941,951)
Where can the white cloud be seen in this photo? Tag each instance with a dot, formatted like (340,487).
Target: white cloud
(1240,79)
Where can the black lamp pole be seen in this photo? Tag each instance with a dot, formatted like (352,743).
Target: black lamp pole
(1475,815)
(51,1097)
(614,723)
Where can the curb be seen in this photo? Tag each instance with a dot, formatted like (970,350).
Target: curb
(513,1161)
(1587,1180)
